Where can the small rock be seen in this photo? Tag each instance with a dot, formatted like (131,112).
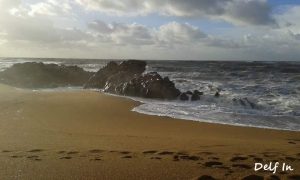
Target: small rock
(195,97)
(198,92)
(217,94)
(189,92)
(184,97)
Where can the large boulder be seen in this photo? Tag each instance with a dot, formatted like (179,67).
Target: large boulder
(127,78)
(152,85)
(128,68)
(39,75)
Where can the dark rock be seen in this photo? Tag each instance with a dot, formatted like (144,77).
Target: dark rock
(195,97)
(39,75)
(184,97)
(128,68)
(198,92)
(217,94)
(189,93)
(150,85)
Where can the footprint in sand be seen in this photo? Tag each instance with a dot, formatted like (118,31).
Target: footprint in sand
(230,171)
(214,158)
(213,164)
(283,172)
(252,155)
(6,151)
(16,156)
(158,158)
(187,157)
(182,153)
(253,177)
(238,158)
(32,157)
(150,152)
(226,174)
(258,159)
(206,153)
(95,151)
(35,150)
(242,166)
(270,154)
(205,177)
(175,158)
(66,157)
(96,159)
(72,152)
(166,153)
(290,158)
(127,157)
(124,152)
(294,177)
(273,177)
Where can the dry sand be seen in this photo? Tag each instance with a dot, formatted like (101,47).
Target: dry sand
(89,135)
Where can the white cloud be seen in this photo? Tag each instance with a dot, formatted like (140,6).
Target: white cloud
(36,29)
(254,12)
(175,33)
(123,34)
(50,8)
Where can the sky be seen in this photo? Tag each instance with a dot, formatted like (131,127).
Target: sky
(154,29)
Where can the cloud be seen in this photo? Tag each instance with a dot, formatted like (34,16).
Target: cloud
(175,33)
(123,34)
(19,27)
(169,34)
(39,29)
(50,8)
(245,12)
(257,12)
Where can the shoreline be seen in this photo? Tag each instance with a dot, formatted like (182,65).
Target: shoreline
(135,99)
(86,134)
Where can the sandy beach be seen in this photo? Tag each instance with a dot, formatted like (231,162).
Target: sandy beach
(89,135)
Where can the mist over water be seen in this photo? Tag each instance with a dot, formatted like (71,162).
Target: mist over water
(274,88)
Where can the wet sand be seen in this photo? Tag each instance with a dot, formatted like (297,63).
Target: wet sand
(90,135)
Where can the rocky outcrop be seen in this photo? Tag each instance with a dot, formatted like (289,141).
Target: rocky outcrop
(127,78)
(129,69)
(39,75)
(150,85)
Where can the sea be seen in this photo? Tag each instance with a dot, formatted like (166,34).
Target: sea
(273,86)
